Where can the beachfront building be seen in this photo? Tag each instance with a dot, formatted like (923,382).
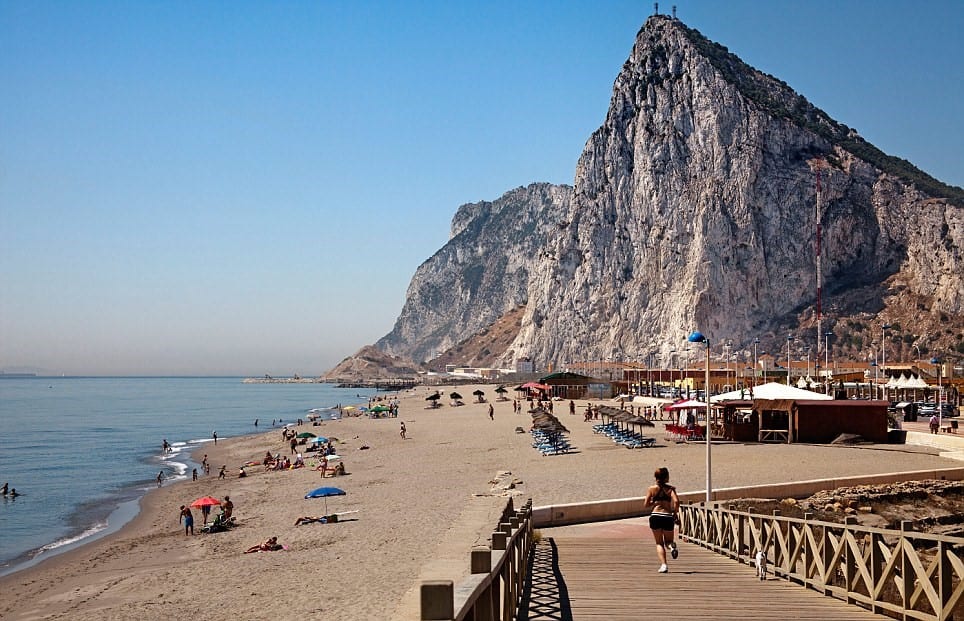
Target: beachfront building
(568,385)
(802,420)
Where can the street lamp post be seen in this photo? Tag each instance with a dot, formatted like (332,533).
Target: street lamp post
(876,368)
(826,353)
(940,389)
(883,353)
(727,345)
(789,341)
(696,337)
(756,360)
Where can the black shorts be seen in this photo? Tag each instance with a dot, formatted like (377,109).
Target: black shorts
(661,521)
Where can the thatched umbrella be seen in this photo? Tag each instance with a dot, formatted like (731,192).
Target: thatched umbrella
(455,395)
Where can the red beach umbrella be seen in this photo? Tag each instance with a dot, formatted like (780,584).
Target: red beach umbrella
(205,501)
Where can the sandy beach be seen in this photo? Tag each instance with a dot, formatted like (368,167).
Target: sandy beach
(420,505)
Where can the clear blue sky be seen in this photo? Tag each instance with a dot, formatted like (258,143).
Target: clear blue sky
(248,187)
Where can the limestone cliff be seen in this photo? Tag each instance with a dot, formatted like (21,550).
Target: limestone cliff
(694,207)
(482,273)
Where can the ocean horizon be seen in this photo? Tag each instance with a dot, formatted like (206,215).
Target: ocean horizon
(82,450)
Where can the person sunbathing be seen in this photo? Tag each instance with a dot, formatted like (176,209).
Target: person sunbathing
(270,545)
(308,519)
(324,519)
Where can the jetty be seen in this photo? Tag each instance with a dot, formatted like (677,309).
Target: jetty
(382,384)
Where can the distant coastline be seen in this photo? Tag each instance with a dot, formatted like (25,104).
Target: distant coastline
(382,384)
(4,375)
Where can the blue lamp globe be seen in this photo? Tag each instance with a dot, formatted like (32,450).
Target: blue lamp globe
(696,337)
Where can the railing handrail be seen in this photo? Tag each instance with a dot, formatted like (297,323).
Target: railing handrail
(898,572)
(493,591)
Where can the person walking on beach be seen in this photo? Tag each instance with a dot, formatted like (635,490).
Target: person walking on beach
(662,519)
(188,519)
(194,474)
(205,466)
(215,436)
(224,471)
(227,507)
(491,412)
(160,478)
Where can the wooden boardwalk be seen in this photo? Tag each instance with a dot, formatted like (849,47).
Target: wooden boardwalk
(610,573)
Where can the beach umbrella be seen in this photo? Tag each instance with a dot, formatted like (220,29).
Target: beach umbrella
(306,434)
(477,392)
(501,390)
(433,397)
(205,501)
(325,492)
(455,395)
(318,440)
(380,408)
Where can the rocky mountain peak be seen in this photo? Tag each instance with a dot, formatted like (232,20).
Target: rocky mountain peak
(694,206)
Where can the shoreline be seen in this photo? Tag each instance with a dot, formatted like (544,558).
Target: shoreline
(128,506)
(422,503)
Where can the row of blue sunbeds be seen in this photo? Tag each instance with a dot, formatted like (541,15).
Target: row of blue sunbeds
(629,439)
(550,443)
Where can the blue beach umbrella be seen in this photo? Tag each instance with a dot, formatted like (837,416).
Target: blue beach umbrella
(318,440)
(325,492)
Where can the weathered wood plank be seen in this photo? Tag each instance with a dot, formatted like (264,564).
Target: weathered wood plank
(584,578)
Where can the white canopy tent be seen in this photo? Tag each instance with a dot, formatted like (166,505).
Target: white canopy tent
(773,390)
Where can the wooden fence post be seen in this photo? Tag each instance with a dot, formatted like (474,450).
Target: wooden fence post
(438,600)
(906,568)
(807,553)
(850,564)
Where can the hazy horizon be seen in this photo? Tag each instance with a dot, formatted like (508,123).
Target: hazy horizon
(234,190)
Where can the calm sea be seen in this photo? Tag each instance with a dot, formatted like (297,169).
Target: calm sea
(82,451)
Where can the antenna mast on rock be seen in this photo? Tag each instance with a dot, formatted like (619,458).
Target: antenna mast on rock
(819,275)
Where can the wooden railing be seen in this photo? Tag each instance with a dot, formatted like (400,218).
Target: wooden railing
(499,572)
(898,573)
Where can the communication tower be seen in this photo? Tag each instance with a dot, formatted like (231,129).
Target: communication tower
(819,274)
